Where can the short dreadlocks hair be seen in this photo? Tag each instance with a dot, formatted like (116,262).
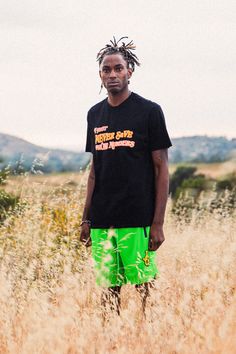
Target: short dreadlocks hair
(124,49)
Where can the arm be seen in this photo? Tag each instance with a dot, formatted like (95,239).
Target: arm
(85,228)
(160,163)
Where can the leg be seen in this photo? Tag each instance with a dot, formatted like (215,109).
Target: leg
(139,263)
(110,301)
(143,290)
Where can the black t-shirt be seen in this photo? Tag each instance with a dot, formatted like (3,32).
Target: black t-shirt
(121,139)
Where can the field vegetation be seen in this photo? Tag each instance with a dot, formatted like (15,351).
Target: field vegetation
(48,299)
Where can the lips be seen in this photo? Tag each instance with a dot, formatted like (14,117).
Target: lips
(113,83)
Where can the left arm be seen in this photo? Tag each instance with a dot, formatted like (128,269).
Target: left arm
(160,163)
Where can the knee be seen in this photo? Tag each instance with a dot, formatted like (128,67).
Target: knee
(143,288)
(115,290)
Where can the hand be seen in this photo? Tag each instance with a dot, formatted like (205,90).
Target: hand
(85,235)
(156,237)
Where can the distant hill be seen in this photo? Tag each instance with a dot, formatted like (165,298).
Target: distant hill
(23,155)
(202,149)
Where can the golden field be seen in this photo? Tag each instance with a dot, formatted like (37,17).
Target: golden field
(49,302)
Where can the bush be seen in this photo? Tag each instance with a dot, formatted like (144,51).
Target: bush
(228,182)
(182,173)
(4,175)
(8,202)
(197,182)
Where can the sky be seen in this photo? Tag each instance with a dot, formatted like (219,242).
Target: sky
(49,74)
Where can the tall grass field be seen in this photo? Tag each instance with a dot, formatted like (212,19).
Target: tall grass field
(49,303)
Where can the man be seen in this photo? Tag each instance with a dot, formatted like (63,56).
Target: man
(128,182)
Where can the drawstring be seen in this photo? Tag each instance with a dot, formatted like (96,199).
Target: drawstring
(145,231)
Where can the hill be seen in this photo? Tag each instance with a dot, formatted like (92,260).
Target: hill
(24,155)
(21,154)
(202,149)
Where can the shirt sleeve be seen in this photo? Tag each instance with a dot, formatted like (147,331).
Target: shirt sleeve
(158,135)
(89,139)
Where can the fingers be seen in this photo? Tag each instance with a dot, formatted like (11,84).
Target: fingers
(85,239)
(88,242)
(154,244)
(82,237)
(150,245)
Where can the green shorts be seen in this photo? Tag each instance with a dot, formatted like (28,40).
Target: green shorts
(121,256)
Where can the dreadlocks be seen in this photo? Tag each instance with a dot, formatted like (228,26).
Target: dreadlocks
(124,49)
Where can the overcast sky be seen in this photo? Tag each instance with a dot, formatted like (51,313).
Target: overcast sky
(49,74)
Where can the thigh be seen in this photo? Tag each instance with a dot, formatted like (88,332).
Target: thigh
(139,263)
(105,256)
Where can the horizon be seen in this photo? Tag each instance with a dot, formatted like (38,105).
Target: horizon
(72,148)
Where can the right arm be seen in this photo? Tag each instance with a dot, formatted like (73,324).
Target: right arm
(85,228)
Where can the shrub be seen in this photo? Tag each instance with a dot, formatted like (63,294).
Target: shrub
(8,202)
(4,175)
(197,182)
(229,182)
(182,173)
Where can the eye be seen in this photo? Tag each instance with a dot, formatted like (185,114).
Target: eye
(105,70)
(119,69)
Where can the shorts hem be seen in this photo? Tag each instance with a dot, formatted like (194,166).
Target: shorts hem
(131,282)
(143,280)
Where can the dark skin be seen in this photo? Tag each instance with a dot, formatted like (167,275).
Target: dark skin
(160,163)
(115,73)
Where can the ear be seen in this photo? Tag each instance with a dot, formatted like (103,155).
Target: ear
(100,73)
(130,72)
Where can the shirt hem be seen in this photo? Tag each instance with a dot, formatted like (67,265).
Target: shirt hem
(106,226)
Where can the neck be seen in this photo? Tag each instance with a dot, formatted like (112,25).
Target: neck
(117,99)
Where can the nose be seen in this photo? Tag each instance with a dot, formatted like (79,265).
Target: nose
(112,74)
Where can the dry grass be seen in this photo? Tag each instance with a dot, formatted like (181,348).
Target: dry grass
(49,303)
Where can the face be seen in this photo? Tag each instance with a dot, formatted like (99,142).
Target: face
(114,73)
